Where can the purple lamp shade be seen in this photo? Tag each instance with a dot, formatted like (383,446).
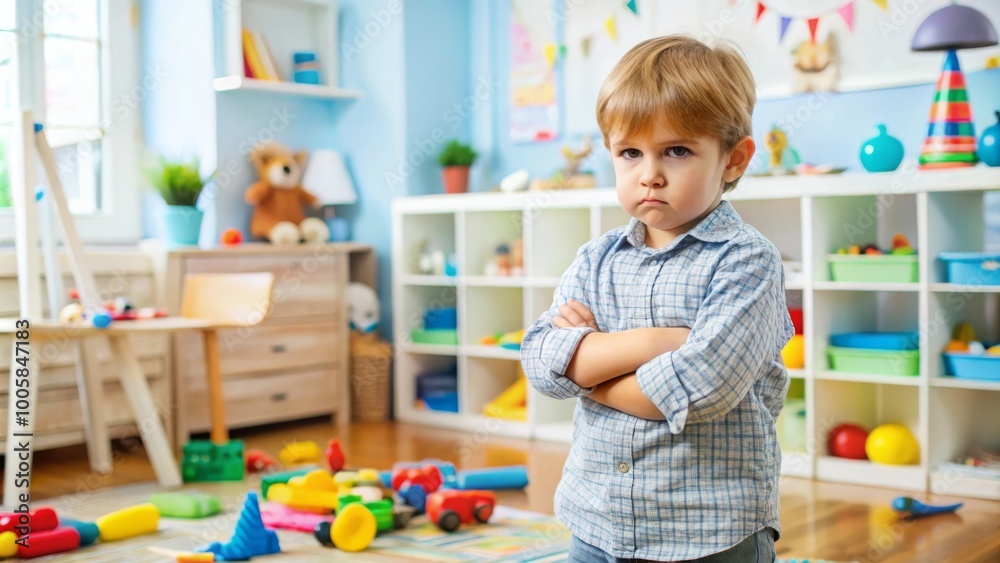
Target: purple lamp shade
(954,27)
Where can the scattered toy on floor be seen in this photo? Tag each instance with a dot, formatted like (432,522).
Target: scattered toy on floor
(334,456)
(297,453)
(280,517)
(250,538)
(282,478)
(38,520)
(88,530)
(186,504)
(912,508)
(129,522)
(449,509)
(204,461)
(258,461)
(49,542)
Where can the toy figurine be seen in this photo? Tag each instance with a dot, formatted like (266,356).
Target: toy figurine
(783,159)
(569,177)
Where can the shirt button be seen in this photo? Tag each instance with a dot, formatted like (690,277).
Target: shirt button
(623,467)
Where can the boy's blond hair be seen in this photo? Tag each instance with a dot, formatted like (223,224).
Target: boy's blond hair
(699,90)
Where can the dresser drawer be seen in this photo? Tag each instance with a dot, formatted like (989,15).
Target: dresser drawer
(58,410)
(265,349)
(262,399)
(304,286)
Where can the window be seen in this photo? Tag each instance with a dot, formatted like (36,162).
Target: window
(57,56)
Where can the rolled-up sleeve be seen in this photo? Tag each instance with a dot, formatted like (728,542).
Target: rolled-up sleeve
(739,328)
(546,351)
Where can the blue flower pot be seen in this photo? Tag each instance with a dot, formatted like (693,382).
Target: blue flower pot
(882,153)
(181,225)
(989,144)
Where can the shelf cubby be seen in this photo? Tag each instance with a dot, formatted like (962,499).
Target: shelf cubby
(492,310)
(612,217)
(780,220)
(946,234)
(868,405)
(415,364)
(486,379)
(947,310)
(485,231)
(437,229)
(552,419)
(413,301)
(556,236)
(953,436)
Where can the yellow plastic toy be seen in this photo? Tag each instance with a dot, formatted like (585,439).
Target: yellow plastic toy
(128,522)
(512,403)
(892,444)
(794,353)
(368,476)
(354,529)
(345,481)
(301,498)
(7,546)
(318,480)
(296,453)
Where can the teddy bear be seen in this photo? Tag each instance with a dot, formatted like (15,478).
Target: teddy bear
(278,197)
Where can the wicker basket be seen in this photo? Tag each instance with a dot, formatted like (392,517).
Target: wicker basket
(371,369)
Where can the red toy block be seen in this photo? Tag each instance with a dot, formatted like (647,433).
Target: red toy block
(449,509)
(428,476)
(334,456)
(258,461)
(38,520)
(49,542)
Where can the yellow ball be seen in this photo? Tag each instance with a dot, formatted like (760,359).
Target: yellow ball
(794,353)
(7,546)
(892,444)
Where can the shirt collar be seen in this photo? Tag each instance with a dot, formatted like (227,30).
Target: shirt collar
(720,225)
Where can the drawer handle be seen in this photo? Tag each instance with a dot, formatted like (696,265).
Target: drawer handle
(277,397)
(278,348)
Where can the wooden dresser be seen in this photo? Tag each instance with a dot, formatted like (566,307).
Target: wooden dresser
(293,365)
(123,272)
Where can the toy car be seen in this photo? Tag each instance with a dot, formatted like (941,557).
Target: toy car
(449,509)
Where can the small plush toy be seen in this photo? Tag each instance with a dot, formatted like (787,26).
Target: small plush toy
(278,197)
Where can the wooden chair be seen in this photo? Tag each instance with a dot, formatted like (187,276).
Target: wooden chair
(224,301)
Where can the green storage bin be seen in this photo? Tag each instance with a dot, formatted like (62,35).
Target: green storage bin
(874,362)
(884,268)
(443,337)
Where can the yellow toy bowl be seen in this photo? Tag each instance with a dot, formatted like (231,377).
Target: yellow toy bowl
(892,444)
(354,528)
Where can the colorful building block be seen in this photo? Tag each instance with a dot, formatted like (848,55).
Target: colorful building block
(186,504)
(279,517)
(258,461)
(88,530)
(250,538)
(299,497)
(129,522)
(354,529)
(38,520)
(295,453)
(204,461)
(282,478)
(48,542)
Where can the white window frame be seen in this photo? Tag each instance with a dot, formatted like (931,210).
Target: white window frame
(119,220)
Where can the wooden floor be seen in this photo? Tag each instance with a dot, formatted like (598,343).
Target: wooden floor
(819,520)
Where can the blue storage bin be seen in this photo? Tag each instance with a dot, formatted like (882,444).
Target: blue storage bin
(972,268)
(446,318)
(446,401)
(877,340)
(972,366)
(436,383)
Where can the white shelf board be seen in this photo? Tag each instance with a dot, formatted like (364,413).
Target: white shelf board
(434,349)
(796,285)
(493,281)
(961,383)
(561,432)
(799,373)
(906,380)
(864,286)
(543,282)
(490,426)
(243,84)
(960,288)
(797,464)
(943,482)
(863,472)
(434,418)
(491,352)
(420,279)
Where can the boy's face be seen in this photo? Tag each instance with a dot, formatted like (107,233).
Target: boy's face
(670,182)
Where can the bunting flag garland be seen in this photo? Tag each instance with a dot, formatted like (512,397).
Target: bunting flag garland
(884,4)
(632,7)
(845,11)
(785,20)
(611,27)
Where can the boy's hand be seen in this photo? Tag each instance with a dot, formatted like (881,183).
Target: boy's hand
(574,314)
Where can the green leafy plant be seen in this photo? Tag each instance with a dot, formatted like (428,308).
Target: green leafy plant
(456,153)
(178,183)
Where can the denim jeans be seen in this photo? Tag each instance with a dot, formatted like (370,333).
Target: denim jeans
(758,548)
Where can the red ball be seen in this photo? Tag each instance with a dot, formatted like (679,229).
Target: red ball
(231,237)
(848,441)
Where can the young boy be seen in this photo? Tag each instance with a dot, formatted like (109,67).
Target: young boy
(670,329)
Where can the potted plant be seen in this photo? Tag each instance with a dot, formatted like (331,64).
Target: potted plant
(456,158)
(179,184)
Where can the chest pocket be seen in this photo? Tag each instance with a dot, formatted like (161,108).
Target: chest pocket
(678,291)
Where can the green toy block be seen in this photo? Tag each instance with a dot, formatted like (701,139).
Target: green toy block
(204,461)
(382,509)
(283,477)
(344,500)
(186,504)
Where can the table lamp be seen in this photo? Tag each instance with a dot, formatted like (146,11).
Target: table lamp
(327,178)
(951,137)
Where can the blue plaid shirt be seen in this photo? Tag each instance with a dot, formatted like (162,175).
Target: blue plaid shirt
(706,478)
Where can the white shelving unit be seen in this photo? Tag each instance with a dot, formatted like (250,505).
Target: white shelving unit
(807,218)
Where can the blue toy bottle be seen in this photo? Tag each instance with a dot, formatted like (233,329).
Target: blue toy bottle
(989,144)
(882,153)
